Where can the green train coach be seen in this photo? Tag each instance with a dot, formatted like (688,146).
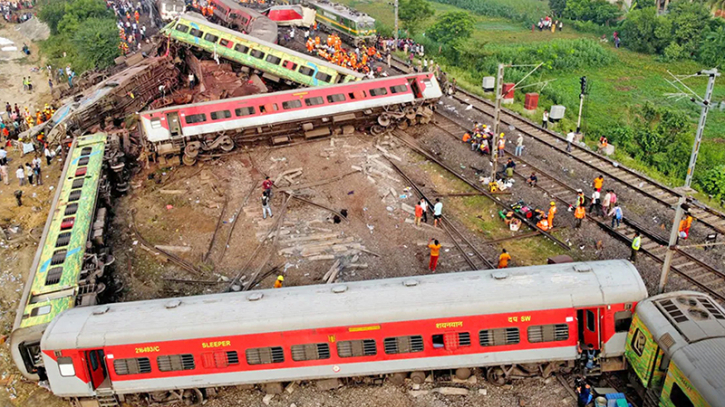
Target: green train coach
(352,26)
(676,350)
(68,261)
(278,63)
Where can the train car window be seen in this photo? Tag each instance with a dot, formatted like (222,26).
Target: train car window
(290,65)
(86,151)
(306,71)
(58,257)
(378,92)
(323,77)
(219,359)
(548,333)
(124,367)
(291,104)
(241,48)
(268,108)
(257,54)
(403,344)
(340,97)
(74,195)
(196,33)
(314,101)
(211,37)
(156,123)
(310,351)
(65,365)
(622,321)
(679,398)
(170,363)
(224,43)
(499,336)
(94,361)
(53,276)
(63,239)
(71,209)
(195,118)
(362,347)
(222,114)
(42,310)
(438,341)
(83,160)
(78,183)
(273,59)
(464,339)
(67,223)
(638,342)
(182,28)
(244,111)
(399,89)
(591,321)
(263,356)
(664,363)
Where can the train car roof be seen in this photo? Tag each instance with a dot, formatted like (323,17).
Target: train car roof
(199,19)
(690,327)
(301,91)
(342,10)
(349,304)
(233,4)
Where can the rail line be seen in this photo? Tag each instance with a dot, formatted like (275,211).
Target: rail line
(629,178)
(478,261)
(700,274)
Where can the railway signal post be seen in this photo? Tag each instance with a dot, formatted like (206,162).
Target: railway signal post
(583,82)
(679,210)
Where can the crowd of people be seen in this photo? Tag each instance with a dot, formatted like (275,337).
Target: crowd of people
(359,59)
(131,30)
(548,24)
(17,11)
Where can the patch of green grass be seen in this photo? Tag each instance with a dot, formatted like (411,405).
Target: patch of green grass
(443,181)
(531,251)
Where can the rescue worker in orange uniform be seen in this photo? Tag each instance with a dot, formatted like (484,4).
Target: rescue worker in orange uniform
(503,259)
(278,282)
(685,224)
(579,213)
(466,137)
(552,212)
(598,182)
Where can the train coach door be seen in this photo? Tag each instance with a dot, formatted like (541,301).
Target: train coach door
(96,365)
(174,126)
(588,322)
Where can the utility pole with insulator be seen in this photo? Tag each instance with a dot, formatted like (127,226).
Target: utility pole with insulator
(496,121)
(680,209)
(583,82)
(396,24)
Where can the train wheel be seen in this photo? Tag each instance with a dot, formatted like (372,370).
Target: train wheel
(193,397)
(403,124)
(398,378)
(384,120)
(192,149)
(188,160)
(418,377)
(496,376)
(227,144)
(409,112)
(377,130)
(463,373)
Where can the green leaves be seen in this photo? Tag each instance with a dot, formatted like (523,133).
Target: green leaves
(414,12)
(97,42)
(452,28)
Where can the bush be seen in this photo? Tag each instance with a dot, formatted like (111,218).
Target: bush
(527,12)
(597,11)
(713,182)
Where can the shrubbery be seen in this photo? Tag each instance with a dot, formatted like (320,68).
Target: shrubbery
(517,10)
(83,34)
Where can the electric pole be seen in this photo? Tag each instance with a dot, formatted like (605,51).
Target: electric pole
(496,121)
(583,82)
(396,24)
(674,232)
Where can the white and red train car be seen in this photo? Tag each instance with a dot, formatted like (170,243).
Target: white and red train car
(397,100)
(509,322)
(293,15)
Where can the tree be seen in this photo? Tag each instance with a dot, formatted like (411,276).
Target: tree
(97,44)
(645,31)
(51,14)
(712,48)
(689,20)
(597,11)
(557,7)
(451,28)
(413,13)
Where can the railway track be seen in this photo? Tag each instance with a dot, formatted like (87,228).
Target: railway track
(698,273)
(628,178)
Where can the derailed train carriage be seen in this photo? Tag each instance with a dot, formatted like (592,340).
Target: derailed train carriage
(275,117)
(72,255)
(231,14)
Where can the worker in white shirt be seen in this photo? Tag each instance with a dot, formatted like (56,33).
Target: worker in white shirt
(569,139)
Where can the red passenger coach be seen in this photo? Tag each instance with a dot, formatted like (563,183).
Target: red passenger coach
(515,322)
(314,112)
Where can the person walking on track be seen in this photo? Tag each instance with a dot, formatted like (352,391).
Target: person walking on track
(435,250)
(636,243)
(579,214)
(265,206)
(503,259)
(437,212)
(552,212)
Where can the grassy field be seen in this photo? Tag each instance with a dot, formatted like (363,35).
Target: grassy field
(630,81)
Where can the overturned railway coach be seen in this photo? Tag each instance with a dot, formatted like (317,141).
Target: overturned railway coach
(515,322)
(277,63)
(314,112)
(72,253)
(231,14)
